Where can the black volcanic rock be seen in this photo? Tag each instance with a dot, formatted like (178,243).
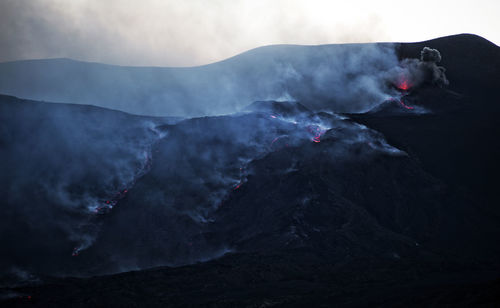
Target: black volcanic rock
(393,207)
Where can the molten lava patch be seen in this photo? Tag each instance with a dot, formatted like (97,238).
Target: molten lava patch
(403,84)
(316,131)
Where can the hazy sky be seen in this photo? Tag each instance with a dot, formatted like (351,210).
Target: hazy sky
(193,32)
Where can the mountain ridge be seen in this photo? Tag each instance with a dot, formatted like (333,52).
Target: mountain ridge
(223,87)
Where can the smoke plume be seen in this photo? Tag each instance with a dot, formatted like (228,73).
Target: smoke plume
(421,72)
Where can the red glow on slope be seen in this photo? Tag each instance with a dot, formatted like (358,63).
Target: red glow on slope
(121,193)
(242,178)
(405,106)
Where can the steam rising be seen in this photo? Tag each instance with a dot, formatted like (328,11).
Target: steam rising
(81,161)
(337,78)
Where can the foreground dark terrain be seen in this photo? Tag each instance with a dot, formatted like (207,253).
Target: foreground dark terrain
(280,204)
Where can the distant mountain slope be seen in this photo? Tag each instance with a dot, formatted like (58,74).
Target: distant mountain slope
(264,73)
(326,76)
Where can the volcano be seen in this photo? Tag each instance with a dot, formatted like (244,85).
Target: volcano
(281,203)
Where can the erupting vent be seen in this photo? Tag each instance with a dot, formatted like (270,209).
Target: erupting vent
(403,85)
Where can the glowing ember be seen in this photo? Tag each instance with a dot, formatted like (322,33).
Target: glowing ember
(274,140)
(242,178)
(28,297)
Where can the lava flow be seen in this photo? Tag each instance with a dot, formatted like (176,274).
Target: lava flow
(405,106)
(242,178)
(108,204)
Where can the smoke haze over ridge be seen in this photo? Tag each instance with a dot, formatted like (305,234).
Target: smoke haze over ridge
(340,78)
(177,33)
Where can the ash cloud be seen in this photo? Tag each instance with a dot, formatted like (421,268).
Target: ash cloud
(430,55)
(421,72)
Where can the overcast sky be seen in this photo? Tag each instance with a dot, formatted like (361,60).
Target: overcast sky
(194,32)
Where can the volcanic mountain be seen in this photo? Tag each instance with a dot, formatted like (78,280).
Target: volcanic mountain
(282,203)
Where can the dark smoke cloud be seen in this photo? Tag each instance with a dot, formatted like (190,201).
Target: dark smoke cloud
(420,72)
(430,55)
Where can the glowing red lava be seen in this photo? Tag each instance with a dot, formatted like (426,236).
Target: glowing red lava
(316,131)
(405,106)
(242,178)
(28,297)
(403,85)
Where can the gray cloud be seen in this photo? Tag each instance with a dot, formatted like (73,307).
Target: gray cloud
(195,32)
(162,33)
(430,55)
